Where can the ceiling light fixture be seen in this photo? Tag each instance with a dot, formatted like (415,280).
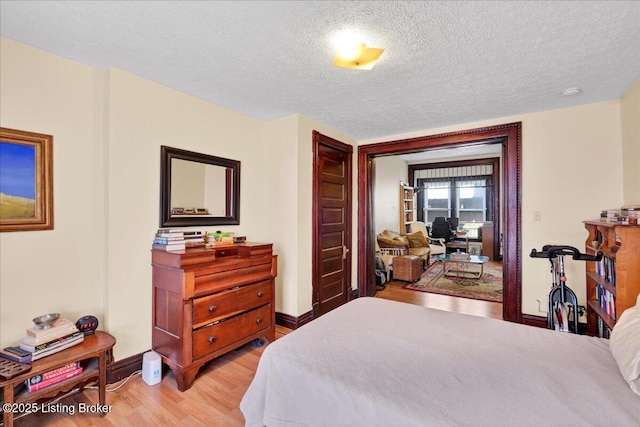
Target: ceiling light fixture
(353,53)
(358,57)
(572,91)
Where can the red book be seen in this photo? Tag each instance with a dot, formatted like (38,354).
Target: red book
(54,372)
(54,380)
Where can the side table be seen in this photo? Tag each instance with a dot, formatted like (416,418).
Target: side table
(95,353)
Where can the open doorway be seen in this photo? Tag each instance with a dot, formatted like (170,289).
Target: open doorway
(509,138)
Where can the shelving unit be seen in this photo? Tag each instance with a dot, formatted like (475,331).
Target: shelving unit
(616,277)
(407,207)
(95,353)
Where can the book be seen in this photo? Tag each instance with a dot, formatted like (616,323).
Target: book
(26,358)
(169,247)
(34,342)
(50,344)
(53,380)
(53,350)
(53,343)
(54,372)
(56,328)
(169,233)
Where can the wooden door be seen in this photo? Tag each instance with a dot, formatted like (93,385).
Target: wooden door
(331,223)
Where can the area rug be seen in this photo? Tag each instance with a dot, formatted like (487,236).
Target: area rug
(486,288)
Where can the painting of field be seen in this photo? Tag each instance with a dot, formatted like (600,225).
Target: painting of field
(16,207)
(17,181)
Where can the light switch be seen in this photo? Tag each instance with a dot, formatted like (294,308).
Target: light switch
(537,216)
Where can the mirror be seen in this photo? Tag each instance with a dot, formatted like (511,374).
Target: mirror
(198,189)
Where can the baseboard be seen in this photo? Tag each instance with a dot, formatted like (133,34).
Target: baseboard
(123,368)
(531,320)
(541,322)
(293,322)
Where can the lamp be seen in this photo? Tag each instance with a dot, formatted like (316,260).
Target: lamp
(358,57)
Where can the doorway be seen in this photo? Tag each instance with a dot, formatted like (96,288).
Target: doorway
(332,189)
(509,136)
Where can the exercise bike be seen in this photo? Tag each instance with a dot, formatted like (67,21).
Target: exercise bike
(563,303)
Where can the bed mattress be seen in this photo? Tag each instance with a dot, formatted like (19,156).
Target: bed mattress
(374,362)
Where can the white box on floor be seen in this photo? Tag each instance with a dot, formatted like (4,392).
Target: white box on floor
(151,368)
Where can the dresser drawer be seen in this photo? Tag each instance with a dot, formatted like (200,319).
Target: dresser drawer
(212,307)
(217,336)
(233,277)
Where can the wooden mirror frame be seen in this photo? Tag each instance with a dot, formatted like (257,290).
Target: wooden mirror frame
(232,189)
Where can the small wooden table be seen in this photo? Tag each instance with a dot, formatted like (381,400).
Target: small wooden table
(95,353)
(461,269)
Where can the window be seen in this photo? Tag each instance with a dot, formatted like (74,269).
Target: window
(466,198)
(471,198)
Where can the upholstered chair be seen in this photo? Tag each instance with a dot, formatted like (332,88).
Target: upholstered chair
(436,245)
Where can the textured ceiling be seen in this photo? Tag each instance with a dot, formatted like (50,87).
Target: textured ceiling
(445,62)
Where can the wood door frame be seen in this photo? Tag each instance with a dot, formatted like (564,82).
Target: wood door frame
(509,135)
(317,140)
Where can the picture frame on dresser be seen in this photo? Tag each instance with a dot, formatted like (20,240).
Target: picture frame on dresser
(26,180)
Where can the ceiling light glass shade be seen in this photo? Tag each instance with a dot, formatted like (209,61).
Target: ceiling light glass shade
(359,57)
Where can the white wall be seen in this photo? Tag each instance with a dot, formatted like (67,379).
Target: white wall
(60,270)
(571,169)
(630,122)
(144,115)
(389,171)
(108,127)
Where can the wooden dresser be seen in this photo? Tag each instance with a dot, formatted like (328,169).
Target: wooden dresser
(207,302)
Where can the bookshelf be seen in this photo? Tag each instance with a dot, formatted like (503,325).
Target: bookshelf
(613,284)
(95,353)
(407,207)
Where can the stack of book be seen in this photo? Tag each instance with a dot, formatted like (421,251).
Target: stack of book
(44,342)
(194,239)
(169,240)
(630,214)
(16,354)
(54,376)
(610,215)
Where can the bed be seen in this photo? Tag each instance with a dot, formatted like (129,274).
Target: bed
(379,362)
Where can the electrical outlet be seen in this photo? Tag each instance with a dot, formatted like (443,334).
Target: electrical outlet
(537,216)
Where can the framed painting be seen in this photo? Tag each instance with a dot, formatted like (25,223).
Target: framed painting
(26,181)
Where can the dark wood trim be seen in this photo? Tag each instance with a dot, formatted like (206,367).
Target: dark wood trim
(541,322)
(123,368)
(317,140)
(509,135)
(532,320)
(354,294)
(495,163)
(292,322)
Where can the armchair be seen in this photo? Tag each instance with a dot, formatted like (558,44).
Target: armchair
(436,244)
(394,244)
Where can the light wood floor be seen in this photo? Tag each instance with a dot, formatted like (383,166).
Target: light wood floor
(215,396)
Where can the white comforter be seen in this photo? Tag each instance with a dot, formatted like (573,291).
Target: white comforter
(374,362)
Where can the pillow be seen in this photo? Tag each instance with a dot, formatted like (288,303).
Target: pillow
(624,344)
(417,240)
(390,242)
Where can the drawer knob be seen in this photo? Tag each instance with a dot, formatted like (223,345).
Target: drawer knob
(212,339)
(260,294)
(259,320)
(212,308)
